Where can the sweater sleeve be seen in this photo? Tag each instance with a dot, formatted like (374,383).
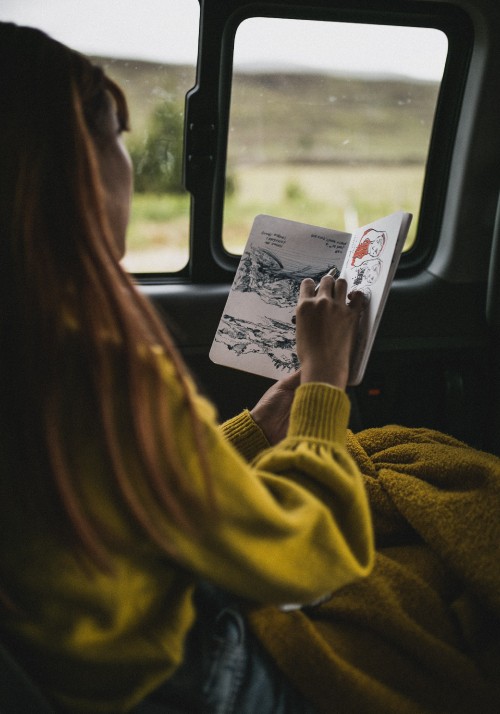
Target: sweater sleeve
(292,525)
(245,435)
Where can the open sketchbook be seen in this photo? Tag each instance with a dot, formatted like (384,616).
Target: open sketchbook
(256,332)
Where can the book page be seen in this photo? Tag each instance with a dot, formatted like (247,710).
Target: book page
(256,332)
(370,265)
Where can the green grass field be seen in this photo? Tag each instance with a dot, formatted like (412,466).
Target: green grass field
(341,197)
(327,150)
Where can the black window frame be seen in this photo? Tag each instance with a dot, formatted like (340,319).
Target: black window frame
(207,120)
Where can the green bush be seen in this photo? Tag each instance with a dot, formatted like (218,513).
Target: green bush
(294,191)
(158,157)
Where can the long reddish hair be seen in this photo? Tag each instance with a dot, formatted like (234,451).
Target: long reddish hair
(57,255)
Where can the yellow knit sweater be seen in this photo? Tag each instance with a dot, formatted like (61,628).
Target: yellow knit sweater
(292,525)
(420,634)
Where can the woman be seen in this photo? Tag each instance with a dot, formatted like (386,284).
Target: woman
(120,495)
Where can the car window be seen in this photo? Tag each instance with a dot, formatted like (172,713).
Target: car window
(330,122)
(150,48)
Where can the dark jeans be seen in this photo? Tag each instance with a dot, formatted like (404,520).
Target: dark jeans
(225,670)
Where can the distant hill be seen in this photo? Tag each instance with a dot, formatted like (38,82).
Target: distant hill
(147,83)
(324,118)
(299,117)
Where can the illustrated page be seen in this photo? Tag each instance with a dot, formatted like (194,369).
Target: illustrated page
(371,262)
(256,332)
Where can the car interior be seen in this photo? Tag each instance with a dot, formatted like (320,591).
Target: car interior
(330,112)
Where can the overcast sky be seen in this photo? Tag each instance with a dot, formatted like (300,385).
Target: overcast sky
(166,31)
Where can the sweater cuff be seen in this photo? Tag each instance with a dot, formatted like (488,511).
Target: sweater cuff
(319,411)
(245,435)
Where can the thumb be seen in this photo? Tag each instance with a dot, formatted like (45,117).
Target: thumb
(291,381)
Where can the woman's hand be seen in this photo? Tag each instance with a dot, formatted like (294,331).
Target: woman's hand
(327,326)
(272,411)
(326,332)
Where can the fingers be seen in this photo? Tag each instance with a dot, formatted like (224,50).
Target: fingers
(336,288)
(331,287)
(307,288)
(326,285)
(358,300)
(340,289)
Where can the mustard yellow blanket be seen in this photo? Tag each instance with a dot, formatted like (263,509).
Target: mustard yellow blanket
(422,632)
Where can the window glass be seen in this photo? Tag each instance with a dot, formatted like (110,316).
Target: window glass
(329,122)
(150,48)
